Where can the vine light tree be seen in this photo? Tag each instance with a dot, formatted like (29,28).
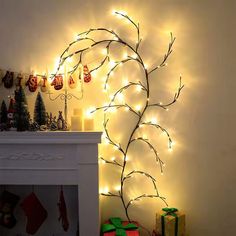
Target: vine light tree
(133,55)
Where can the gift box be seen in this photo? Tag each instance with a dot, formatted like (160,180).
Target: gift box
(117,227)
(171,222)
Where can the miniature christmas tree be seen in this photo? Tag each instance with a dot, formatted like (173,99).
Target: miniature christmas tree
(21,115)
(10,114)
(3,114)
(39,111)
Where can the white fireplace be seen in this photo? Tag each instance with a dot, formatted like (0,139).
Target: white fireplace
(55,158)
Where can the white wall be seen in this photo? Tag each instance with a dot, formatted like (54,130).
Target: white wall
(199,176)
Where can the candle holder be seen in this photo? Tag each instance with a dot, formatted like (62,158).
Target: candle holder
(66,96)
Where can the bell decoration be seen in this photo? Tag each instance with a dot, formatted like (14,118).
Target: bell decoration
(57,82)
(8,79)
(32,83)
(87,74)
(71,82)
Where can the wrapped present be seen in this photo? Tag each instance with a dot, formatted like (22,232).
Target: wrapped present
(116,227)
(171,222)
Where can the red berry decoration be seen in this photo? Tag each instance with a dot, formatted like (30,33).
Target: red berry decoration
(32,83)
(87,74)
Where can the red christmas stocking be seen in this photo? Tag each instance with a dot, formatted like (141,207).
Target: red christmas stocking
(63,212)
(87,74)
(35,213)
(8,202)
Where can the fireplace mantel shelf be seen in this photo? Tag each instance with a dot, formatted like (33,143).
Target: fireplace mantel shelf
(49,137)
(55,158)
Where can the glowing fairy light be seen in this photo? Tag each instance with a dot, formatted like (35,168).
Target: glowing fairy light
(106,190)
(125,55)
(145,136)
(125,82)
(112,63)
(154,120)
(138,107)
(104,51)
(120,97)
(138,88)
(117,188)
(89,112)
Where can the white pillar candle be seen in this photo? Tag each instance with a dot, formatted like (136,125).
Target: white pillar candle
(88,124)
(77,120)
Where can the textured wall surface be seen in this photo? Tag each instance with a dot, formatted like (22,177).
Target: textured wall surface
(199,176)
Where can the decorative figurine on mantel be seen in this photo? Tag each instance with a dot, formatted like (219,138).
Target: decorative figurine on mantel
(61,124)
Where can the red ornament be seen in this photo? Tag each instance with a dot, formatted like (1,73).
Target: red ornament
(57,82)
(32,83)
(87,74)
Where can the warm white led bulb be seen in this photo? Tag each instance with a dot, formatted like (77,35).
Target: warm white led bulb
(138,107)
(106,190)
(154,120)
(112,63)
(104,51)
(125,82)
(117,188)
(120,97)
(113,12)
(138,88)
(145,136)
(125,55)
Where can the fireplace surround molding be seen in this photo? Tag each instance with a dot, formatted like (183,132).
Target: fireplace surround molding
(55,158)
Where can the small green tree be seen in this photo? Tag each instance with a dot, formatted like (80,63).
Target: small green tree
(40,111)
(21,115)
(3,114)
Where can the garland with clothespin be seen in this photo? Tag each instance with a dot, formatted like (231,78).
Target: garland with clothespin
(10,78)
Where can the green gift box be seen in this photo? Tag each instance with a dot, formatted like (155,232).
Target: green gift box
(171,222)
